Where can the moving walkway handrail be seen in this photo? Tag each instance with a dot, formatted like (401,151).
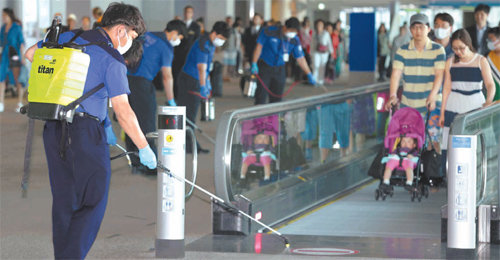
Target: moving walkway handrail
(228,121)
(484,167)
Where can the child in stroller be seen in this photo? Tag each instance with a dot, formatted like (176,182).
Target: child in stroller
(259,137)
(261,151)
(406,157)
(403,146)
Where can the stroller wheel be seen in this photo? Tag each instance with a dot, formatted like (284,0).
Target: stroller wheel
(384,196)
(413,195)
(391,193)
(426,192)
(377,194)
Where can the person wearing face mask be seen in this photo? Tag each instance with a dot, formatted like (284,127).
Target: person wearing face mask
(273,49)
(157,57)
(478,31)
(194,82)
(443,26)
(494,58)
(249,38)
(79,165)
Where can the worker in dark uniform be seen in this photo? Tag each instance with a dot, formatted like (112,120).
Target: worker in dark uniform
(80,178)
(274,46)
(181,51)
(157,56)
(249,37)
(193,80)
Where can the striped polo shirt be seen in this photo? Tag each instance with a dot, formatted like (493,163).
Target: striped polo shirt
(418,72)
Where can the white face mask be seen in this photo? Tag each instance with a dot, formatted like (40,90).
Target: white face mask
(218,42)
(493,45)
(290,35)
(441,33)
(123,49)
(175,42)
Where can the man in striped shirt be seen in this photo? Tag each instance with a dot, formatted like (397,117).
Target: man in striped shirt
(421,64)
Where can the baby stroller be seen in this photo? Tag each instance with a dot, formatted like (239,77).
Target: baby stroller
(406,122)
(261,154)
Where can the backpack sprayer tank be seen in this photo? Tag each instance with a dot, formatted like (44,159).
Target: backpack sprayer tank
(57,76)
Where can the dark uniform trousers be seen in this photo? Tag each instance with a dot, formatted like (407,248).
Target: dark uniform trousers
(142,99)
(274,78)
(79,184)
(188,84)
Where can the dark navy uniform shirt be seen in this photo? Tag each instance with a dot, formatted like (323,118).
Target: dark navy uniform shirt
(275,44)
(202,51)
(157,53)
(106,66)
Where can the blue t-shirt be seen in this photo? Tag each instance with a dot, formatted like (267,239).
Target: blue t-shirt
(202,51)
(275,44)
(106,67)
(158,53)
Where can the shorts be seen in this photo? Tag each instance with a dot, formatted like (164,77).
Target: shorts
(334,118)
(252,159)
(311,129)
(407,164)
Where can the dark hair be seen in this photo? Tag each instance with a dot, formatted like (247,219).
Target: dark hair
(304,22)
(382,25)
(9,12)
(293,23)
(188,7)
(129,15)
(317,22)
(97,11)
(445,17)
(259,15)
(177,25)
(237,22)
(462,35)
(133,56)
(495,31)
(221,28)
(482,7)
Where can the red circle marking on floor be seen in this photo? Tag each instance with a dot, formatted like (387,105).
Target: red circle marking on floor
(324,251)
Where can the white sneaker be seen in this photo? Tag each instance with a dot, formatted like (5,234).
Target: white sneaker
(1,107)
(18,109)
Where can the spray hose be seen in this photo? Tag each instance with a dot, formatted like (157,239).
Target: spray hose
(273,94)
(227,206)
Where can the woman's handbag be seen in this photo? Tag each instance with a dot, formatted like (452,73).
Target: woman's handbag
(14,59)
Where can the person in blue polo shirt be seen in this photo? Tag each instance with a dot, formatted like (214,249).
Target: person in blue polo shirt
(80,175)
(193,80)
(273,49)
(157,56)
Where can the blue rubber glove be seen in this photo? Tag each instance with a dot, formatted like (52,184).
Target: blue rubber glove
(311,79)
(110,135)
(147,157)
(171,103)
(209,84)
(254,69)
(204,91)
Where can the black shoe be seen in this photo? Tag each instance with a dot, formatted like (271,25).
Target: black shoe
(386,188)
(410,188)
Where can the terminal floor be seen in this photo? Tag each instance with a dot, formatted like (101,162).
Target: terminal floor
(128,228)
(356,225)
